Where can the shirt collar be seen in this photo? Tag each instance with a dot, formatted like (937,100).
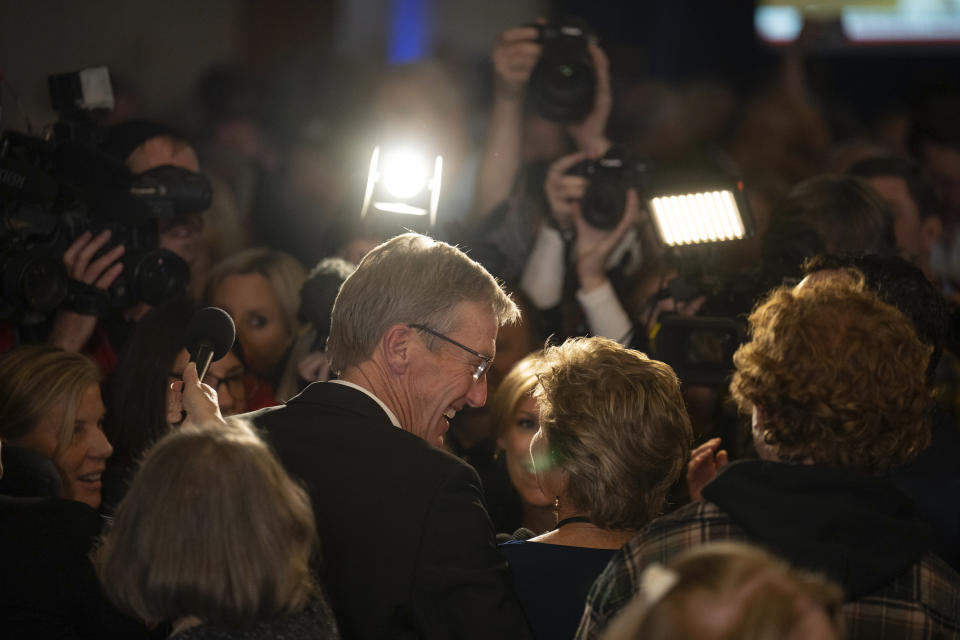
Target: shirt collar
(386,409)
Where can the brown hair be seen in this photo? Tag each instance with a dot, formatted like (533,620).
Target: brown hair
(838,374)
(616,423)
(518,383)
(212,527)
(408,279)
(37,378)
(726,590)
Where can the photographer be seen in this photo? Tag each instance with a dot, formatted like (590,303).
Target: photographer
(591,254)
(515,54)
(142,146)
(519,140)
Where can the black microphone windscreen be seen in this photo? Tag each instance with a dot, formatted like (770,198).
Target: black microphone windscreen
(213,327)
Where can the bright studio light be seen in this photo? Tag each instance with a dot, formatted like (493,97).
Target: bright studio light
(405,173)
(698,218)
(403,182)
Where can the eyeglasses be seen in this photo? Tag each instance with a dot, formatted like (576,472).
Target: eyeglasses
(234,383)
(485,360)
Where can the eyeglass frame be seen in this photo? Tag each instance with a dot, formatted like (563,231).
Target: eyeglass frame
(238,378)
(485,360)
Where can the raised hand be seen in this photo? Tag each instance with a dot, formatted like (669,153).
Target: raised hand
(590,134)
(198,400)
(706,461)
(72,330)
(564,191)
(594,246)
(514,56)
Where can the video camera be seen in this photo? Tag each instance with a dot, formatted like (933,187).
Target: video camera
(55,188)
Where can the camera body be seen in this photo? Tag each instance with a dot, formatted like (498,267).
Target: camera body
(563,84)
(606,195)
(53,190)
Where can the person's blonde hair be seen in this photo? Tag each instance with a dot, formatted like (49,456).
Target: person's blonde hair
(409,279)
(284,273)
(516,385)
(35,379)
(725,590)
(617,424)
(212,527)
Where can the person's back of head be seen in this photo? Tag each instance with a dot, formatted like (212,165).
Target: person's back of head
(904,287)
(213,528)
(827,214)
(616,424)
(935,141)
(834,376)
(409,279)
(918,184)
(727,591)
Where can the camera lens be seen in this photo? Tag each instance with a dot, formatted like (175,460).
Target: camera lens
(603,203)
(34,279)
(563,84)
(159,276)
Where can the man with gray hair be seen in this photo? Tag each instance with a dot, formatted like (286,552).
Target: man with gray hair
(408,547)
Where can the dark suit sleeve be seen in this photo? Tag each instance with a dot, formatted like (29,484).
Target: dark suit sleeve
(463,588)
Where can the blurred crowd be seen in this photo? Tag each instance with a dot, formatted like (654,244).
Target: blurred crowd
(804,487)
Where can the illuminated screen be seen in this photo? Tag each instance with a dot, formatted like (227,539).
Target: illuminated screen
(865,22)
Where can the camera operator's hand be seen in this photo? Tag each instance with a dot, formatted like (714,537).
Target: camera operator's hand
(72,330)
(198,400)
(590,134)
(594,246)
(706,461)
(514,56)
(563,191)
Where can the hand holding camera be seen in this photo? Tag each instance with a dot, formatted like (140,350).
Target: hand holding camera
(514,56)
(564,191)
(590,133)
(594,246)
(71,330)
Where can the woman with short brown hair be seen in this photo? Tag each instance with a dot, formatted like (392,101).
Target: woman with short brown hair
(614,436)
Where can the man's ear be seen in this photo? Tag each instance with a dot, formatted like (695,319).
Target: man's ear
(396,347)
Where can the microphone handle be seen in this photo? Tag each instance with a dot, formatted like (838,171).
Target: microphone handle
(203,360)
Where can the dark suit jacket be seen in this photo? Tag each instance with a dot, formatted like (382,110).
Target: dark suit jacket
(408,548)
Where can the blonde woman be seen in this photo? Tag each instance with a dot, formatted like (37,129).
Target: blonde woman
(50,407)
(515,418)
(260,289)
(53,454)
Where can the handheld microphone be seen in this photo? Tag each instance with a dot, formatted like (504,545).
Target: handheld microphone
(208,337)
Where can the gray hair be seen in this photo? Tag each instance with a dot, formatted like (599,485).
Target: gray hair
(409,279)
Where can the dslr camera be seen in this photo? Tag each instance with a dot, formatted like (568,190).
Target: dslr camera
(606,196)
(563,84)
(55,188)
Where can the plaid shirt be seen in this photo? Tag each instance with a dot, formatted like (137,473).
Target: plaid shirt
(923,603)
